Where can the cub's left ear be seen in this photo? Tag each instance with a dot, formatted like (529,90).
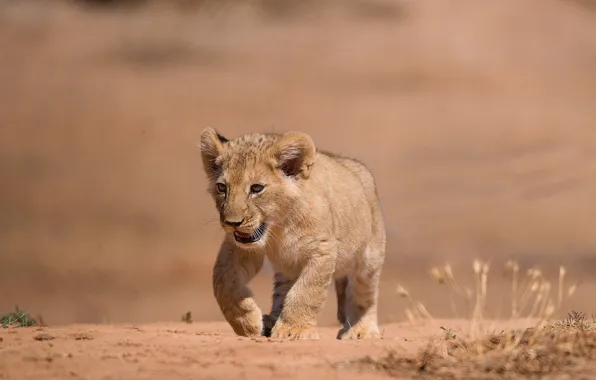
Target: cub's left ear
(295,154)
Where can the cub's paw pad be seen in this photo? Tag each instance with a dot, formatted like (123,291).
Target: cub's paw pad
(294,333)
(359,332)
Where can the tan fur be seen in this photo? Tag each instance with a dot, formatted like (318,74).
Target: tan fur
(323,224)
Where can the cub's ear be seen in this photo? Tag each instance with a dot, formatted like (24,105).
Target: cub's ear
(295,154)
(212,145)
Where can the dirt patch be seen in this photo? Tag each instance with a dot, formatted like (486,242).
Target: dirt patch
(211,350)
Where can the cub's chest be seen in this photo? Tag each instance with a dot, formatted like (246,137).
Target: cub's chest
(286,258)
(290,257)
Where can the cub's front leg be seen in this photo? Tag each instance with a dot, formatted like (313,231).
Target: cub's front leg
(231,273)
(305,299)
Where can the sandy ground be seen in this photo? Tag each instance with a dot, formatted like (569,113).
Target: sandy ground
(477,118)
(199,351)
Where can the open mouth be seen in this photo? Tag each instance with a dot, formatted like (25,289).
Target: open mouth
(244,238)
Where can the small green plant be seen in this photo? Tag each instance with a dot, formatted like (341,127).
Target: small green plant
(17,318)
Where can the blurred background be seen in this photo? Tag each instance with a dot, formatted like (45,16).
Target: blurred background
(477,118)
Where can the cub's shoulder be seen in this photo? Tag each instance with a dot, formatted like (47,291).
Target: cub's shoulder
(354,165)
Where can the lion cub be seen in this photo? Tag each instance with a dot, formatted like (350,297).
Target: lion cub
(315,216)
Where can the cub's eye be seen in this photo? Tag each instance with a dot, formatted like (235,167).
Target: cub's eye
(221,187)
(256,188)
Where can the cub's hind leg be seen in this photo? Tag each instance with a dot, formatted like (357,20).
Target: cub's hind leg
(361,320)
(341,291)
(363,284)
(281,287)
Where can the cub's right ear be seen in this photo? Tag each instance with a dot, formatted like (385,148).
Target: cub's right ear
(212,144)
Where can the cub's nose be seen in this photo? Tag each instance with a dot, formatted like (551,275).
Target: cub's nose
(233,223)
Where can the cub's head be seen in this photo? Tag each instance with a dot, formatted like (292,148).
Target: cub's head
(255,180)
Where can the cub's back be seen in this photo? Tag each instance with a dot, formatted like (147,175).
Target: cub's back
(360,224)
(351,193)
(360,171)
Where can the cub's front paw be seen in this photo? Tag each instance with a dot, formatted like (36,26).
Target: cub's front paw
(282,331)
(247,324)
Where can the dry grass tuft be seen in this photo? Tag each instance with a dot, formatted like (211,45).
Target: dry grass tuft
(567,346)
(518,354)
(575,320)
(533,297)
